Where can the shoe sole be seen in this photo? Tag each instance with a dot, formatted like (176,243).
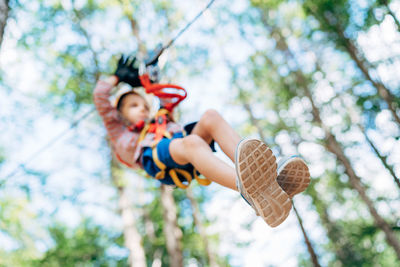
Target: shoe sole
(256,169)
(293,175)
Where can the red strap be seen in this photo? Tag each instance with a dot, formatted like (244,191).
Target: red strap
(157,90)
(152,128)
(137,127)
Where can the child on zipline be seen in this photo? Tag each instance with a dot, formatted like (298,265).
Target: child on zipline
(177,159)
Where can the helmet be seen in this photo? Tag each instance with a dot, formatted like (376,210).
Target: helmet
(122,90)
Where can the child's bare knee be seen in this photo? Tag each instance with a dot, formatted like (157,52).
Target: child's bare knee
(193,141)
(209,118)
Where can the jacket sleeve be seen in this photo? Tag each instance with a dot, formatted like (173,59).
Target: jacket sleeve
(112,121)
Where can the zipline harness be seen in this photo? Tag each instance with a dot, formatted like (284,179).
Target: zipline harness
(158,126)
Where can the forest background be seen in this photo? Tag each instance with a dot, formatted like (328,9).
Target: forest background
(316,78)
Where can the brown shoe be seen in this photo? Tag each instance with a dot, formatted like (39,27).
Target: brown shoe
(293,175)
(256,181)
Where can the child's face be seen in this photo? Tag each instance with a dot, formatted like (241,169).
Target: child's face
(135,108)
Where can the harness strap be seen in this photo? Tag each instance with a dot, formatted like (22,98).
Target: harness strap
(201,181)
(174,173)
(171,172)
(143,132)
(161,125)
(177,181)
(159,128)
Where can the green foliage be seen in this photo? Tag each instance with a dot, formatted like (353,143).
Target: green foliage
(355,242)
(342,22)
(332,16)
(74,55)
(2,156)
(75,65)
(18,229)
(266,3)
(266,78)
(367,242)
(86,245)
(79,84)
(193,245)
(338,24)
(345,250)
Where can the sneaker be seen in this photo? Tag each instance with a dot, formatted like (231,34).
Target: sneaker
(256,181)
(293,175)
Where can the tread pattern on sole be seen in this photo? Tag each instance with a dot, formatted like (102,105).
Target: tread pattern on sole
(256,166)
(294,177)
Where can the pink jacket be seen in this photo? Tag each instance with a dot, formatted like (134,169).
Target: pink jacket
(124,142)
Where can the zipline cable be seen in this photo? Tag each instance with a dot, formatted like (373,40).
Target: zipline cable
(84,116)
(165,47)
(48,145)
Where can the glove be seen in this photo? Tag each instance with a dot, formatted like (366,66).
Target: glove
(126,72)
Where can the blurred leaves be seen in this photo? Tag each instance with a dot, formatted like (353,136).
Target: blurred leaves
(64,36)
(85,245)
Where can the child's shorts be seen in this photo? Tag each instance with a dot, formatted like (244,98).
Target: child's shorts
(165,157)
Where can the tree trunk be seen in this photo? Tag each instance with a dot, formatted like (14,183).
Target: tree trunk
(382,158)
(198,222)
(4,8)
(311,251)
(361,63)
(173,233)
(333,145)
(150,232)
(132,238)
(148,223)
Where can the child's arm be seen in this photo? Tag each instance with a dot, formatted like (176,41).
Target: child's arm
(115,127)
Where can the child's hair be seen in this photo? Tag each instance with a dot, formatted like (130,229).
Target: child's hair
(121,99)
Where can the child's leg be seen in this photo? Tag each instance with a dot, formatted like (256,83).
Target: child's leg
(195,150)
(213,126)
